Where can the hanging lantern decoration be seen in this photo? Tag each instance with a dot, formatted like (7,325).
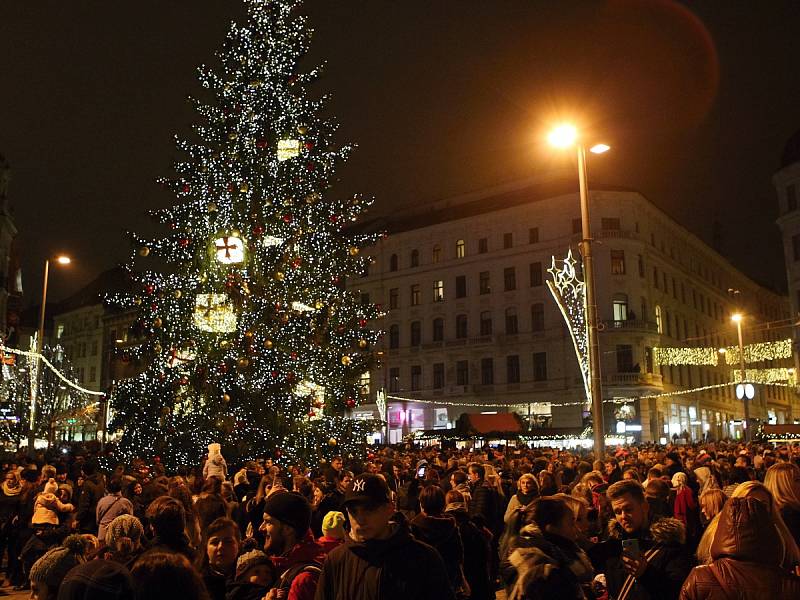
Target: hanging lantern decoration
(288,149)
(213,313)
(229,250)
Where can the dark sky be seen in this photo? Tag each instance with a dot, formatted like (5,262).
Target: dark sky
(443,97)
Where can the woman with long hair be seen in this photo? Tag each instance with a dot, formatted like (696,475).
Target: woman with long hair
(783,482)
(527,491)
(179,490)
(711,503)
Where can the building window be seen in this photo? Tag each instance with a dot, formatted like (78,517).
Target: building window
(462,372)
(641,265)
(512,369)
(415,295)
(624,358)
(577,226)
(648,359)
(796,246)
(416,333)
(394,337)
(483,245)
(512,326)
(461,249)
(791,197)
(508,240)
(655,277)
(436,255)
(620,304)
(533,235)
(618,262)
(461,326)
(509,279)
(609,224)
(394,298)
(438,376)
(438,291)
(416,378)
(393,262)
(486,323)
(394,379)
(487,371)
(537,317)
(659,322)
(668,320)
(415,258)
(438,329)
(540,366)
(536,274)
(461,286)
(483,287)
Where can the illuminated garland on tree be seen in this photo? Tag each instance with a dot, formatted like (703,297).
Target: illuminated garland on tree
(253,298)
(569,293)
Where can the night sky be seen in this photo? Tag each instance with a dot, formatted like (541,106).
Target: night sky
(443,97)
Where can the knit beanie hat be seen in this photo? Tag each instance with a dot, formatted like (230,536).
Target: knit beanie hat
(251,559)
(54,565)
(51,487)
(123,526)
(68,487)
(214,449)
(290,508)
(97,580)
(333,525)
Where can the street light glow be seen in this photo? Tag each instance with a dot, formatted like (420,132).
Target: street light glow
(563,136)
(599,148)
(63,260)
(736,317)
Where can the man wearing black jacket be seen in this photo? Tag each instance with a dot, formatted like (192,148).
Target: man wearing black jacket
(380,560)
(94,488)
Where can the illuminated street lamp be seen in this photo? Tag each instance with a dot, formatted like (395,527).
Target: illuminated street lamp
(61,260)
(745,392)
(566,136)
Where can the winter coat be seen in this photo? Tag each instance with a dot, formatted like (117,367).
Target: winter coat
(746,556)
(442,533)
(666,570)
(397,568)
(329,543)
(9,509)
(216,583)
(544,565)
(215,467)
(486,503)
(687,512)
(244,590)
(46,509)
(304,583)
(792,519)
(94,488)
(109,508)
(477,554)
(513,505)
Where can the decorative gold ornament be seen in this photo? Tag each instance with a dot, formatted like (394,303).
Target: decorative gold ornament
(268,344)
(224,344)
(302,129)
(233,135)
(157,322)
(229,250)
(248,335)
(318,304)
(157,348)
(144,251)
(177,294)
(212,207)
(332,442)
(226,398)
(243,187)
(279,276)
(137,301)
(284,318)
(354,251)
(243,362)
(288,149)
(346,360)
(214,313)
(362,344)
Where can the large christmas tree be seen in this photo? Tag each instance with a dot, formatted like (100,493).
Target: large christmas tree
(250,336)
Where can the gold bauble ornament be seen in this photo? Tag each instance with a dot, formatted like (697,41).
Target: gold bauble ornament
(137,301)
(212,207)
(362,343)
(177,294)
(236,233)
(248,335)
(346,360)
(157,322)
(332,441)
(224,344)
(268,344)
(279,275)
(354,251)
(318,304)
(226,398)
(244,188)
(233,135)
(302,129)
(144,251)
(243,362)
(157,348)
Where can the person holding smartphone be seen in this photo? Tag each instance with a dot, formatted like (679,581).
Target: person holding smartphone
(643,558)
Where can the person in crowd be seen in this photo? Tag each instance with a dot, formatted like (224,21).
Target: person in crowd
(381,560)
(657,494)
(485,500)
(545,560)
(217,562)
(656,564)
(547,483)
(178,489)
(527,491)
(255,575)
(166,576)
(291,545)
(110,506)
(705,480)
(685,507)
(133,492)
(92,491)
(215,463)
(47,508)
(9,520)
(611,471)
(583,525)
(711,502)
(334,472)
(439,530)
(477,548)
(123,540)
(783,482)
(632,474)
(736,476)
(459,481)
(49,571)
(167,522)
(746,558)
(333,532)
(97,580)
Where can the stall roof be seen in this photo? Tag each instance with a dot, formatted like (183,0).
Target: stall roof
(480,423)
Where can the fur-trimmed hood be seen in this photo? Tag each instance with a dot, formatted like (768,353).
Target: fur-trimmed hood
(663,531)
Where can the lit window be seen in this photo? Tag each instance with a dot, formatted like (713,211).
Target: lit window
(438,291)
(659,324)
(461,249)
(436,256)
(618,262)
(415,295)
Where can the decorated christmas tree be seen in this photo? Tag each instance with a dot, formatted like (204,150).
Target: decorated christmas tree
(249,335)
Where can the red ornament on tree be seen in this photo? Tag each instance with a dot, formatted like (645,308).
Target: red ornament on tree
(258,230)
(287,218)
(223,367)
(310,167)
(274,374)
(278,453)
(290,376)
(309,145)
(183,242)
(350,403)
(311,413)
(149,288)
(262,143)
(297,262)
(362,323)
(184,380)
(185,188)
(333,218)
(293,355)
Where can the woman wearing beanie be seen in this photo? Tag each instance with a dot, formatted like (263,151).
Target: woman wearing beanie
(97,580)
(124,540)
(48,572)
(332,530)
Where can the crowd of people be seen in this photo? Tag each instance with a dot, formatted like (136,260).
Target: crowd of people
(716,520)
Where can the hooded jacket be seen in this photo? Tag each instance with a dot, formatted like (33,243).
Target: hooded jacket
(397,568)
(476,553)
(746,556)
(442,533)
(666,570)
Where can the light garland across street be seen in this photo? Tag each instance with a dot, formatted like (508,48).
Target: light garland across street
(29,354)
(757,352)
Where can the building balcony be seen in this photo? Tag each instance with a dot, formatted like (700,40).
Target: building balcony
(625,379)
(629,325)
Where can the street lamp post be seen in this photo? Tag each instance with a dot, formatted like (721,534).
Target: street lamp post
(61,260)
(737,318)
(565,136)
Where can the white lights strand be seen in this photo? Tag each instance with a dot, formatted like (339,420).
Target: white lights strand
(51,367)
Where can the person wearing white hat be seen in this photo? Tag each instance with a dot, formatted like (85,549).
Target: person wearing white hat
(215,464)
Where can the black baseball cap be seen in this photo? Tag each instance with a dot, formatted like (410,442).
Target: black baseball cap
(368,489)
